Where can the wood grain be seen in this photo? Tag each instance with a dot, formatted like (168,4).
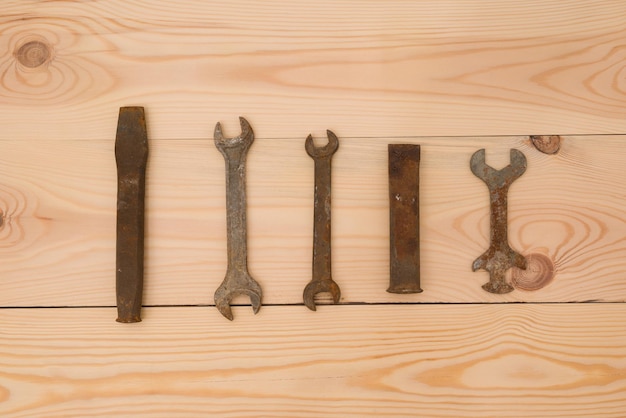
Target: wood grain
(58,201)
(371,69)
(379,361)
(453,76)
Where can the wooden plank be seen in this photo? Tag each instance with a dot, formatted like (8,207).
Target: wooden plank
(380,361)
(57,239)
(391,68)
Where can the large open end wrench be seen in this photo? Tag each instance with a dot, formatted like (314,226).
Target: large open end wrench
(237,280)
(322,278)
(500,256)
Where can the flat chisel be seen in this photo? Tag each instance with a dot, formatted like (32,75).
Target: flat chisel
(131,156)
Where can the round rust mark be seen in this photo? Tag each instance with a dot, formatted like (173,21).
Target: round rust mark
(538,274)
(548,144)
(33,54)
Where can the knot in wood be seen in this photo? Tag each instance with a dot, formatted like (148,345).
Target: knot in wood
(538,274)
(548,144)
(33,54)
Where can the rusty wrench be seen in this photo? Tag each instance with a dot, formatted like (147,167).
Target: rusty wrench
(322,278)
(131,156)
(237,280)
(500,256)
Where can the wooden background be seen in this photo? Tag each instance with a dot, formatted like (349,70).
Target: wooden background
(452,75)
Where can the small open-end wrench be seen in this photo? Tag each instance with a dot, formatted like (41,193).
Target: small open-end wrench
(500,256)
(322,278)
(237,280)
(131,156)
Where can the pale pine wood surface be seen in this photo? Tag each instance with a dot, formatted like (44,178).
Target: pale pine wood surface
(451,75)
(564,360)
(372,68)
(59,227)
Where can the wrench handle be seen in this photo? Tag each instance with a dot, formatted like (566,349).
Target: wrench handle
(236,226)
(321,219)
(498,217)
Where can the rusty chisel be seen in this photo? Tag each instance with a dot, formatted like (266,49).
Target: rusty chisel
(131,156)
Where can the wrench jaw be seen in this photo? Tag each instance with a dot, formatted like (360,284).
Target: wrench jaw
(497,263)
(322,152)
(319,286)
(498,178)
(234,285)
(497,287)
(518,162)
(479,167)
(242,141)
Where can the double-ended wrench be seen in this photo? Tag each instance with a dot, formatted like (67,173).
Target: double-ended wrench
(238,280)
(499,257)
(322,277)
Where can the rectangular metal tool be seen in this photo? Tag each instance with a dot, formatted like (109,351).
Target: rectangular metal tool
(131,156)
(404,219)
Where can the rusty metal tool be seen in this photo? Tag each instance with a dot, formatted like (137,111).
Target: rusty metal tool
(404,218)
(322,278)
(237,280)
(131,156)
(500,256)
